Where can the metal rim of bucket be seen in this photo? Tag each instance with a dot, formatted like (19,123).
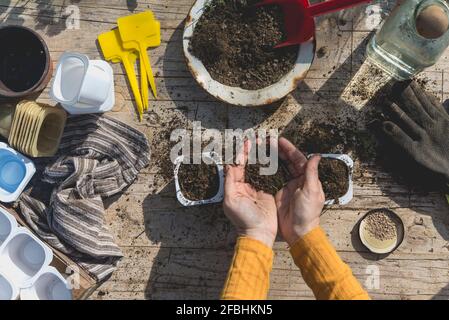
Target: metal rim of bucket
(46,75)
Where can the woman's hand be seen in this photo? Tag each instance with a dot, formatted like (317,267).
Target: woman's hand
(252,213)
(301,201)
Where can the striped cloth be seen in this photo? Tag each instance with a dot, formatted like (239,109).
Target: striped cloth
(98,157)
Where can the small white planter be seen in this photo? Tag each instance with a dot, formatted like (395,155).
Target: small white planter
(16,171)
(215,158)
(345,199)
(8,225)
(83,86)
(49,285)
(23,257)
(236,95)
(8,290)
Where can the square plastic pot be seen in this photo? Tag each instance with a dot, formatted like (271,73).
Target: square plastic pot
(23,257)
(8,225)
(8,290)
(347,160)
(16,172)
(49,285)
(213,157)
(83,86)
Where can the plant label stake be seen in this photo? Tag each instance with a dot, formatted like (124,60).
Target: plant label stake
(139,32)
(111,46)
(299,14)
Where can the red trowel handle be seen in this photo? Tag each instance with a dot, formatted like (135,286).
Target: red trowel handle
(332,6)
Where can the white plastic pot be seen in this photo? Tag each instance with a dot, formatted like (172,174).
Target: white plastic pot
(23,257)
(213,157)
(345,199)
(49,285)
(236,95)
(8,225)
(8,290)
(82,85)
(16,171)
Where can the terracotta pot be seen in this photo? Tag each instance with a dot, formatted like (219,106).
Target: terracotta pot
(25,62)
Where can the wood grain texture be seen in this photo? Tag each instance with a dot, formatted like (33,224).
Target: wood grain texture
(173,252)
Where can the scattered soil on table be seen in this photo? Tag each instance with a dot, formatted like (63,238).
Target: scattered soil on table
(269,184)
(336,137)
(381,225)
(161,146)
(333,175)
(198,181)
(235,41)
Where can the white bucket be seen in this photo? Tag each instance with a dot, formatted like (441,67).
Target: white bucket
(49,285)
(23,257)
(82,85)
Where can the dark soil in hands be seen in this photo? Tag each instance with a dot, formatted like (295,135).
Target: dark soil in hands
(198,181)
(269,184)
(333,175)
(235,41)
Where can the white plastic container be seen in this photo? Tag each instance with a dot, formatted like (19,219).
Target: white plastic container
(83,86)
(16,171)
(215,158)
(8,290)
(49,285)
(23,257)
(8,225)
(345,199)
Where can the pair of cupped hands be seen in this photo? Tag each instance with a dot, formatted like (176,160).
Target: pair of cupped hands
(294,211)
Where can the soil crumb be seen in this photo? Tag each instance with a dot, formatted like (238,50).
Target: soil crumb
(198,181)
(333,175)
(269,184)
(381,225)
(235,41)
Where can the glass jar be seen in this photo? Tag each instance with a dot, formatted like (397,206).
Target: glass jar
(399,49)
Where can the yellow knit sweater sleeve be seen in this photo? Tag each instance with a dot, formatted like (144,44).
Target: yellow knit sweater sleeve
(323,270)
(249,274)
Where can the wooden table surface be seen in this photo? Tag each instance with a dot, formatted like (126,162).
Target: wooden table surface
(173,252)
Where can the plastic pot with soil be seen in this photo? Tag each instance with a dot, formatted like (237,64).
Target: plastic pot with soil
(230,50)
(199,184)
(25,63)
(335,173)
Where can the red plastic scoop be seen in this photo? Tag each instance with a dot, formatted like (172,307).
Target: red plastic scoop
(299,14)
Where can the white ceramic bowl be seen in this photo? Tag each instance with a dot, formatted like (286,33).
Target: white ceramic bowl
(239,96)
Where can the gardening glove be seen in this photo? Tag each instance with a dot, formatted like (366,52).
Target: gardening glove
(420,127)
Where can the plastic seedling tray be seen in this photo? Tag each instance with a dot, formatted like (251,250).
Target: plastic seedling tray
(8,225)
(82,85)
(8,290)
(345,199)
(215,158)
(49,285)
(15,172)
(23,257)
